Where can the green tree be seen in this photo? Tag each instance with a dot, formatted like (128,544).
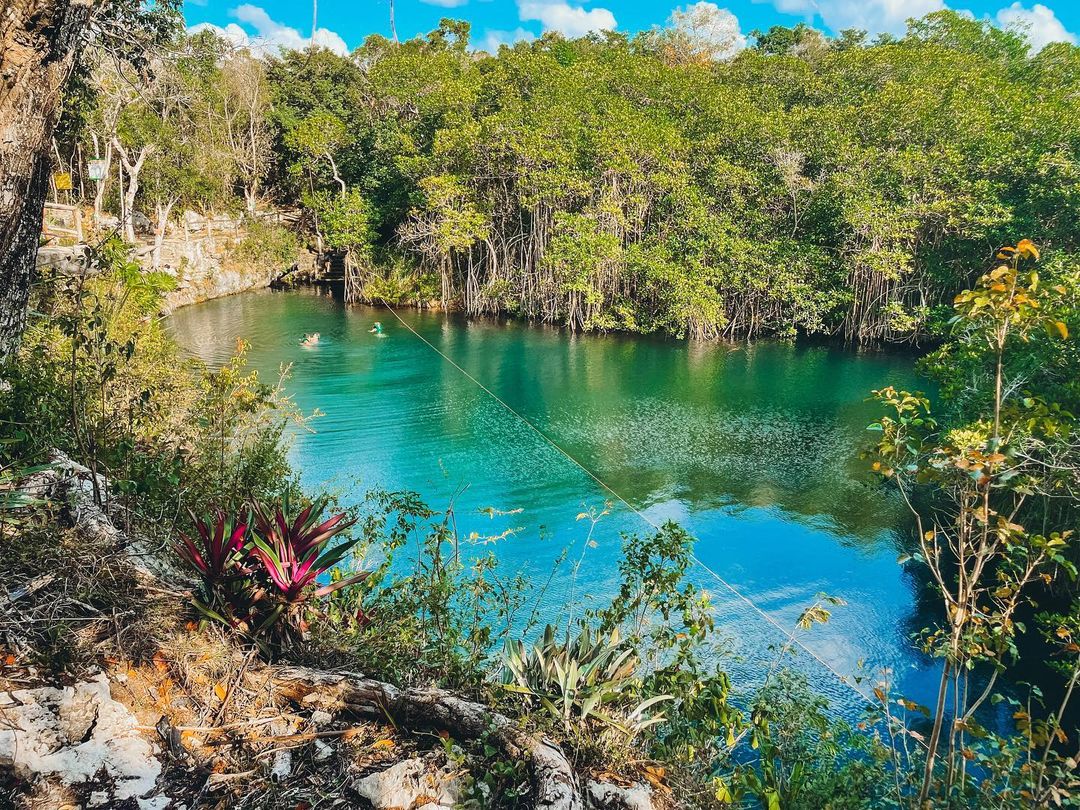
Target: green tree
(985,473)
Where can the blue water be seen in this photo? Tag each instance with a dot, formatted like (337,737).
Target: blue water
(753,448)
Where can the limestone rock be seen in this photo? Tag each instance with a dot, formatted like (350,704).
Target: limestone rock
(608,796)
(409,785)
(320,718)
(63,260)
(73,734)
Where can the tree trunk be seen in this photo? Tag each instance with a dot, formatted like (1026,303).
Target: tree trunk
(553,781)
(132,169)
(101,185)
(251,196)
(39,40)
(163,211)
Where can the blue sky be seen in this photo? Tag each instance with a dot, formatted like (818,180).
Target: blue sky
(343,24)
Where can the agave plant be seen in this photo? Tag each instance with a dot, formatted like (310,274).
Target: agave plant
(13,502)
(580,679)
(294,552)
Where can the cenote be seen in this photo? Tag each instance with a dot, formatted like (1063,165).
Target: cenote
(753,448)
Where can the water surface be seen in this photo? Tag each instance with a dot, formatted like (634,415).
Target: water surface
(753,448)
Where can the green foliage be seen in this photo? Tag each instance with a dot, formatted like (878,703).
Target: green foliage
(266,244)
(803,759)
(344,220)
(488,779)
(579,680)
(99,379)
(399,283)
(991,470)
(442,606)
(605,184)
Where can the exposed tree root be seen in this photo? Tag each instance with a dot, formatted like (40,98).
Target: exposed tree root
(554,784)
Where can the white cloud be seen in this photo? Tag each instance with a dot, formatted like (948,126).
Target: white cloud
(445,3)
(269,35)
(1039,23)
(875,16)
(494,39)
(231,33)
(559,15)
(282,35)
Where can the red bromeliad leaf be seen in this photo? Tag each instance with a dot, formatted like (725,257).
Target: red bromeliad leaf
(293,552)
(222,546)
(341,583)
(190,553)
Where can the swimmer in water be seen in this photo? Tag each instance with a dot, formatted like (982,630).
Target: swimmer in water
(376,329)
(310,340)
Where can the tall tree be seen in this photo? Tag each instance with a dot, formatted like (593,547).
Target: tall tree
(39,43)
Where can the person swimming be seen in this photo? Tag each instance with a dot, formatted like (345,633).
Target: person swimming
(376,329)
(310,339)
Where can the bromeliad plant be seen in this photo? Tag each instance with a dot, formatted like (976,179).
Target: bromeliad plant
(294,552)
(259,575)
(581,679)
(228,592)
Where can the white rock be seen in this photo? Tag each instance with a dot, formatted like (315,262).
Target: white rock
(281,768)
(320,718)
(323,751)
(400,785)
(606,796)
(74,733)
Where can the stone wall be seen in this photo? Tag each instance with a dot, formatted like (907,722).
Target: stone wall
(204,270)
(199,254)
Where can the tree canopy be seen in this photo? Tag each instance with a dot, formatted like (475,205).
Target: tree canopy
(663,182)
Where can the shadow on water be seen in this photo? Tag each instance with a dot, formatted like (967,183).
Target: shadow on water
(753,448)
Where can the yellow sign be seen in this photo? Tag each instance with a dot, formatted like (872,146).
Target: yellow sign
(63,181)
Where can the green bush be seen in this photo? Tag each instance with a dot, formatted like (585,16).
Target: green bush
(267,244)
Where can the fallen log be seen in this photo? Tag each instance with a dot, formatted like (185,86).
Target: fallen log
(554,784)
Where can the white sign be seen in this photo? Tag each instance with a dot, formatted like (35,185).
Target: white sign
(96,169)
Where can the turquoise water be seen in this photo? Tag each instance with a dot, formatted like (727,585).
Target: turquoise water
(754,449)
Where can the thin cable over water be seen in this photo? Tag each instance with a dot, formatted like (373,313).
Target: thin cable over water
(789,634)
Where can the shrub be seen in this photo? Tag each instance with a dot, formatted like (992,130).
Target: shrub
(584,678)
(267,244)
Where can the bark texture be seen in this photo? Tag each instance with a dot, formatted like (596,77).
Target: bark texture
(39,41)
(553,781)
